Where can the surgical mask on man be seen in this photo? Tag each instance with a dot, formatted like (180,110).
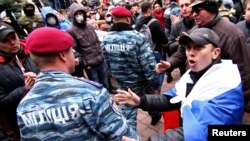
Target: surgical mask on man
(51,20)
(79,18)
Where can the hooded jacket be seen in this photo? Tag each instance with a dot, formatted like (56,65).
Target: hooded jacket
(30,21)
(62,24)
(87,44)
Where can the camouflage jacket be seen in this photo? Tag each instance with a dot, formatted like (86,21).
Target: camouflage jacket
(31,22)
(130,59)
(62,107)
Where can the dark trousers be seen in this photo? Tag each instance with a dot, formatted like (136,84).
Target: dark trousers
(99,73)
(160,56)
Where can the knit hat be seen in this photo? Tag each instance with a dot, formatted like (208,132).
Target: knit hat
(121,12)
(201,36)
(48,40)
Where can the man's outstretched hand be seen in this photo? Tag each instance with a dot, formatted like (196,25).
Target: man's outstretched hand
(162,66)
(127,97)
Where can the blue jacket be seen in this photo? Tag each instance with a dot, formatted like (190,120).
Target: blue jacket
(62,24)
(63,107)
(130,59)
(216,99)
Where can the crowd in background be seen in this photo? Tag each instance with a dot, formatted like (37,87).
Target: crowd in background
(99,12)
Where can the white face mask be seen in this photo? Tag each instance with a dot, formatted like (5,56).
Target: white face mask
(51,21)
(109,19)
(79,19)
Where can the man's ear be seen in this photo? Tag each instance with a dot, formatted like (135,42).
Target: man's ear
(216,52)
(62,56)
(128,20)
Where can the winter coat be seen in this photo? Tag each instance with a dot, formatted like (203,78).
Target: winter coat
(73,109)
(12,88)
(157,31)
(62,24)
(176,31)
(30,22)
(130,59)
(87,44)
(245,28)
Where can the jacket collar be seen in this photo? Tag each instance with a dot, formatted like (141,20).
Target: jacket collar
(213,22)
(120,27)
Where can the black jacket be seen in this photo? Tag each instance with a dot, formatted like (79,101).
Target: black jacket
(176,30)
(158,34)
(245,28)
(162,102)
(12,88)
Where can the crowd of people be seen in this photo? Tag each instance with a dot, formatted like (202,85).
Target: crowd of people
(59,61)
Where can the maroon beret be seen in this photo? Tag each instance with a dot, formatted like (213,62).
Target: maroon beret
(120,11)
(49,40)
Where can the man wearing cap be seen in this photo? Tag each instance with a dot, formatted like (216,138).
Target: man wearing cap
(232,42)
(17,75)
(130,59)
(62,107)
(87,46)
(209,90)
